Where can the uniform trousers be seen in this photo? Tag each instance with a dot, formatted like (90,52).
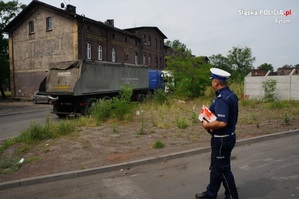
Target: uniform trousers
(220,168)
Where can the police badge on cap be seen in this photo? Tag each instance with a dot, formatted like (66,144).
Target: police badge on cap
(219,74)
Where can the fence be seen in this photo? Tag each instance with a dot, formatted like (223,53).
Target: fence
(287,87)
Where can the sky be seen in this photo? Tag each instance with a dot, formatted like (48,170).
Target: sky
(270,28)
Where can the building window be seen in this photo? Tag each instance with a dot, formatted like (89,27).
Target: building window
(49,23)
(144,39)
(136,58)
(113,55)
(150,60)
(31,27)
(144,59)
(100,52)
(149,40)
(88,51)
(160,63)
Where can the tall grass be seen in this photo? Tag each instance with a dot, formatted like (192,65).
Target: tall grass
(33,134)
(37,132)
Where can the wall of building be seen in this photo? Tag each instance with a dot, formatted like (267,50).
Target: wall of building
(287,87)
(32,53)
(126,46)
(152,47)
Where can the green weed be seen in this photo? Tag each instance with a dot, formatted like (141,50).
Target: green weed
(181,123)
(158,144)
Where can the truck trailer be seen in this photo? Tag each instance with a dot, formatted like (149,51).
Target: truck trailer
(78,84)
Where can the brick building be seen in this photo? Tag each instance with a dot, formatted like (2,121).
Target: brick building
(42,34)
(287,71)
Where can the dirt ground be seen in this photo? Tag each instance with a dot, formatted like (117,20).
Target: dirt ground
(117,142)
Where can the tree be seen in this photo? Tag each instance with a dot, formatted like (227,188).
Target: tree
(219,61)
(179,48)
(266,67)
(190,75)
(7,12)
(241,60)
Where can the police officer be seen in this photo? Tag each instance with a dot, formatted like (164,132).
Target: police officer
(225,107)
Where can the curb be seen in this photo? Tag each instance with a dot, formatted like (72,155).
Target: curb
(115,167)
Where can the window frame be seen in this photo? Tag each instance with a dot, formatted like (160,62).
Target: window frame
(100,52)
(113,55)
(31,27)
(144,59)
(49,24)
(88,50)
(136,58)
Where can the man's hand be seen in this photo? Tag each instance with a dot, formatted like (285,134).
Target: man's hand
(210,126)
(205,125)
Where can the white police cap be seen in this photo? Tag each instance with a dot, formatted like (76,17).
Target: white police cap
(219,74)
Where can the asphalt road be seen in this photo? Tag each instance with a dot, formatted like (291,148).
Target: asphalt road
(17,116)
(266,169)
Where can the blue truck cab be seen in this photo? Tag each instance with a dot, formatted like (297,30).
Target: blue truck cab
(155,80)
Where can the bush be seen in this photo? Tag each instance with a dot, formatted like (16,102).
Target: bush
(160,96)
(101,110)
(116,108)
(270,89)
(121,108)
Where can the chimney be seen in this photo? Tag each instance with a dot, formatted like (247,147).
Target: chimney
(110,22)
(71,9)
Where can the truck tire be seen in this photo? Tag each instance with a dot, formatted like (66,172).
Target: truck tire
(90,102)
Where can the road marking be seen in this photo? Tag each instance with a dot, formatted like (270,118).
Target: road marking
(244,167)
(292,177)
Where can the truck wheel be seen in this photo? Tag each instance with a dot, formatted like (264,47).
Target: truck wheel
(90,102)
(141,97)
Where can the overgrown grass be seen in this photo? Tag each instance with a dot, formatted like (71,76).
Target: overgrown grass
(34,134)
(37,132)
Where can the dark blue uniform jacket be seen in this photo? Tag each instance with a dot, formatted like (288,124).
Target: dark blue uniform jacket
(225,107)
